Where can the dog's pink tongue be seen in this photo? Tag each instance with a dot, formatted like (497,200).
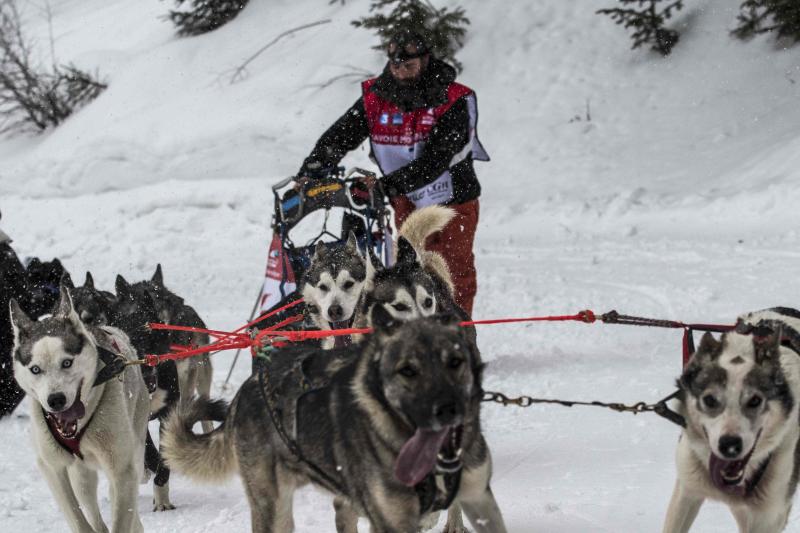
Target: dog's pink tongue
(78,410)
(418,456)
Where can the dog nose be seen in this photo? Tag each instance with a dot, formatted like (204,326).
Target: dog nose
(336,312)
(730,446)
(446,413)
(57,401)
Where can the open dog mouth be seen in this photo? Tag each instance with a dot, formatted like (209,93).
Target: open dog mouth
(728,476)
(425,450)
(66,421)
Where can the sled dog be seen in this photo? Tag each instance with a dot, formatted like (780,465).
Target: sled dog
(195,374)
(92,305)
(391,426)
(741,444)
(418,284)
(332,286)
(77,428)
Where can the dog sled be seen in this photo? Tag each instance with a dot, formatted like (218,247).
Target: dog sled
(364,211)
(325,208)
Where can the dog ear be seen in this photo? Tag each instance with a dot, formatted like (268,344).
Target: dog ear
(123,288)
(66,281)
(381,320)
(374,265)
(20,322)
(89,281)
(158,276)
(406,254)
(708,351)
(319,251)
(766,343)
(65,308)
(352,243)
(709,348)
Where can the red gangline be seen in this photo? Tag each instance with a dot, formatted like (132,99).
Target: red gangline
(237,340)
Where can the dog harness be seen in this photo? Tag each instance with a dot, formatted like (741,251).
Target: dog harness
(439,488)
(398,137)
(435,492)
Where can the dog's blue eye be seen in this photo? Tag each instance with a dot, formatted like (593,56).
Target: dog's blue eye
(35,370)
(401,307)
(754,402)
(710,402)
(427,303)
(66,363)
(323,288)
(408,371)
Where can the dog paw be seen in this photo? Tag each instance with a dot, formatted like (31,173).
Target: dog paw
(428,522)
(454,529)
(158,507)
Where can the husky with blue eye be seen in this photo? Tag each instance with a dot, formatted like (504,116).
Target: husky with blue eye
(741,445)
(78,428)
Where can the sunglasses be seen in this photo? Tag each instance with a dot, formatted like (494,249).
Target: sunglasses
(398,54)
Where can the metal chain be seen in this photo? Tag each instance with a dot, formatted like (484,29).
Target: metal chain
(660,407)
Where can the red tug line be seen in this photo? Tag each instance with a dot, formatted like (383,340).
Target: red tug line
(274,335)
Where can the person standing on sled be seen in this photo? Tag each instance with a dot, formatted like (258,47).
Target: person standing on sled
(421,127)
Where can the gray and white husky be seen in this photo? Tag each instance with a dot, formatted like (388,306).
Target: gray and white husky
(741,444)
(78,428)
(376,423)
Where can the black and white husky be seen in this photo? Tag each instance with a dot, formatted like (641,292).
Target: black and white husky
(78,428)
(334,283)
(332,286)
(741,445)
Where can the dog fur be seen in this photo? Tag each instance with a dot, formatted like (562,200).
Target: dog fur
(131,312)
(56,362)
(195,374)
(92,305)
(332,286)
(410,377)
(741,445)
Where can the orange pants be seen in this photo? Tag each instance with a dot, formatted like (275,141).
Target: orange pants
(454,243)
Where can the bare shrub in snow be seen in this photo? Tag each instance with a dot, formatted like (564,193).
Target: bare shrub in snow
(781,17)
(443,30)
(204,15)
(32,96)
(647,19)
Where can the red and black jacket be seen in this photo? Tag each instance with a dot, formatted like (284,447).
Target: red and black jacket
(417,135)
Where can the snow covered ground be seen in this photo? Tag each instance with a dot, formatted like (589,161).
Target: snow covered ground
(678,199)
